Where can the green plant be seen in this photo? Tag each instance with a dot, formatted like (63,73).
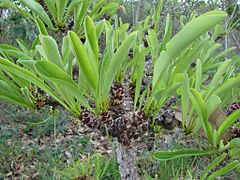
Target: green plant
(100,74)
(95,76)
(232,146)
(166,80)
(14,88)
(94,167)
(55,14)
(232,156)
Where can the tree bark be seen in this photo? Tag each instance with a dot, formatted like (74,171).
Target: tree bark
(140,11)
(126,158)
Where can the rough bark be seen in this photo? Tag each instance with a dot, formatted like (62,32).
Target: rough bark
(140,11)
(126,158)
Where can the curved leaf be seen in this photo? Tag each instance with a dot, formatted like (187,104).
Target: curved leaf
(91,36)
(12,94)
(29,76)
(38,9)
(117,60)
(52,72)
(212,165)
(168,155)
(51,50)
(188,34)
(224,170)
(86,65)
(11,51)
(202,111)
(228,122)
(41,27)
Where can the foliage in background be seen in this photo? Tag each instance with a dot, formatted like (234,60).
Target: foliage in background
(187,62)
(15,26)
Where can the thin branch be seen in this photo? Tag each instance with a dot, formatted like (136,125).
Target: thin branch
(235,39)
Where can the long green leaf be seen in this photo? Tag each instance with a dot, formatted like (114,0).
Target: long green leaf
(12,94)
(224,170)
(97,7)
(51,50)
(198,82)
(105,10)
(227,86)
(139,69)
(91,36)
(61,6)
(228,122)
(188,34)
(219,74)
(185,100)
(29,76)
(167,34)
(52,72)
(212,165)
(38,9)
(168,155)
(41,27)
(157,12)
(117,60)
(51,5)
(11,51)
(201,108)
(87,67)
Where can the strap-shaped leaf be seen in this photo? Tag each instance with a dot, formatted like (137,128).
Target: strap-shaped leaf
(184,63)
(202,111)
(27,63)
(168,155)
(222,54)
(41,27)
(198,82)
(97,7)
(117,60)
(139,70)
(99,27)
(212,165)
(29,76)
(11,51)
(153,43)
(52,72)
(157,12)
(168,32)
(91,36)
(51,50)
(61,6)
(234,143)
(189,33)
(24,47)
(213,103)
(79,14)
(12,94)
(7,4)
(111,7)
(228,122)
(227,86)
(38,9)
(219,74)
(185,99)
(224,170)
(86,65)
(210,51)
(71,6)
(52,8)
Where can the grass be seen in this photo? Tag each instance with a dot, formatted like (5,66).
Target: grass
(31,150)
